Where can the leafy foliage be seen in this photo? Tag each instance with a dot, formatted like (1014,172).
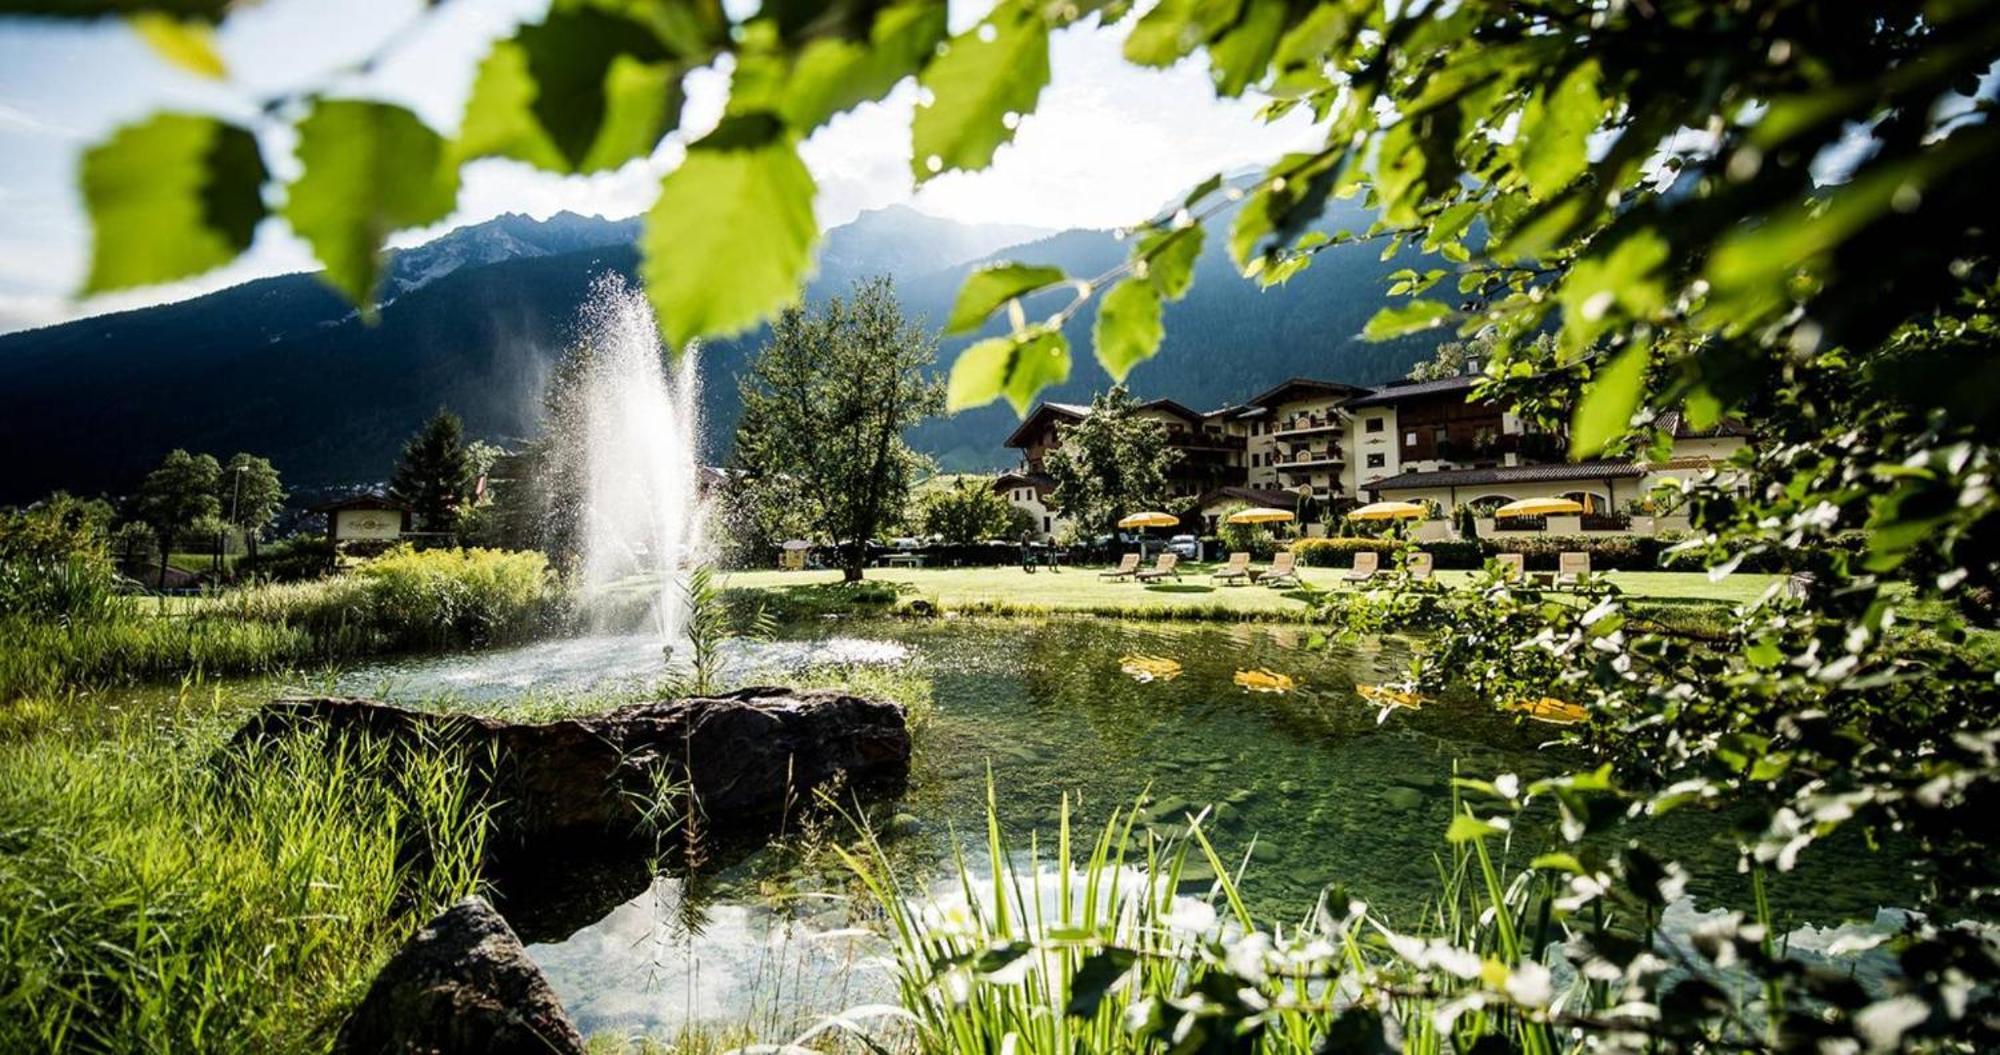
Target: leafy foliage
(1112,463)
(825,407)
(173,196)
(969,510)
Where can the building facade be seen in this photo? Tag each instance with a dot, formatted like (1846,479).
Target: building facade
(1314,445)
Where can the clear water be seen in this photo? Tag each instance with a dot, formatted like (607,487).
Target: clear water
(1328,793)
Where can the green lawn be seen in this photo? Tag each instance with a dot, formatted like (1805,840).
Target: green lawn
(1080,589)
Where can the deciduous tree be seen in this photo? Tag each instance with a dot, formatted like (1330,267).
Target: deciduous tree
(176,496)
(1112,463)
(826,404)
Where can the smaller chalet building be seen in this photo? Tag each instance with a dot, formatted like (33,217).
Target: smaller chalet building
(367,517)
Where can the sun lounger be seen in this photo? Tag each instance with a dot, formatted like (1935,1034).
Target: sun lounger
(1284,570)
(1572,568)
(1366,564)
(1168,565)
(1127,565)
(1513,567)
(1418,566)
(1236,571)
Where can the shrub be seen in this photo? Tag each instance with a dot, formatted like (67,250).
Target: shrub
(1339,552)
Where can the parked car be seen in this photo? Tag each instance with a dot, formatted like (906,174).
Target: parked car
(1187,547)
(906,543)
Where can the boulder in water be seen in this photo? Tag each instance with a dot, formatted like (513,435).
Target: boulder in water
(743,759)
(462,984)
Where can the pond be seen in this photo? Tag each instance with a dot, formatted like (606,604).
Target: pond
(1314,783)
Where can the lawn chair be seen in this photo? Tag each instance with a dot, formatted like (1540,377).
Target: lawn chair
(1366,564)
(1572,568)
(1418,566)
(1127,566)
(1284,570)
(1236,571)
(1169,565)
(1513,566)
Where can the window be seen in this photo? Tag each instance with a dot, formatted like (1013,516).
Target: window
(1377,460)
(1376,424)
(1046,527)
(1409,439)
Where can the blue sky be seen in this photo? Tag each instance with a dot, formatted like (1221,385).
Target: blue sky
(1108,145)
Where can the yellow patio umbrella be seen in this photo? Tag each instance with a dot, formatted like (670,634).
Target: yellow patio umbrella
(1387,511)
(1149,520)
(1261,515)
(1538,507)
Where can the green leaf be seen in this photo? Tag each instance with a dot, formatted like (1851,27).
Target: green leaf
(1094,977)
(989,287)
(1279,212)
(1128,329)
(1629,277)
(730,238)
(1170,258)
(1560,862)
(833,75)
(171,197)
(188,44)
(1555,131)
(1466,828)
(1605,413)
(604,89)
(1403,319)
(370,169)
(997,69)
(499,121)
(1239,57)
(1174,28)
(1017,366)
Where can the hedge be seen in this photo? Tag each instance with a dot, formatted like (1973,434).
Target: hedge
(1539,552)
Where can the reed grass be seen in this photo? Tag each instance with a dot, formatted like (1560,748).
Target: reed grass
(1122,941)
(158,895)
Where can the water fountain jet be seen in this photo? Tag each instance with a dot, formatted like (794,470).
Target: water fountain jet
(641,522)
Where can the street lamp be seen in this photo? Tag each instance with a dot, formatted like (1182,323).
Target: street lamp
(235,496)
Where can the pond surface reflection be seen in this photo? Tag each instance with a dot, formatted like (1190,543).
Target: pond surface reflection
(1314,784)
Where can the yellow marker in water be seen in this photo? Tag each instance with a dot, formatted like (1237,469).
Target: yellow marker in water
(1143,667)
(1262,680)
(1384,696)
(1551,710)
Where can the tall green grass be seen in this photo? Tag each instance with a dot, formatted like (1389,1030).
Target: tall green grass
(158,897)
(1125,942)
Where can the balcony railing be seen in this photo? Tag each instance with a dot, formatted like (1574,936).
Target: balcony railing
(1302,423)
(1307,459)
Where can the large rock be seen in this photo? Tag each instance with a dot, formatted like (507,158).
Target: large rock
(462,984)
(744,759)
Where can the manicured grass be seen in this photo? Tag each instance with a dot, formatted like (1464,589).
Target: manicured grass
(1081,589)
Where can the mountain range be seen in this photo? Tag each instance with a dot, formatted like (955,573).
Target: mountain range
(475,319)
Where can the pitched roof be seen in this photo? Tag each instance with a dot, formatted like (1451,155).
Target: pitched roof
(1510,474)
(1256,496)
(1401,391)
(363,500)
(1017,478)
(1304,384)
(1037,419)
